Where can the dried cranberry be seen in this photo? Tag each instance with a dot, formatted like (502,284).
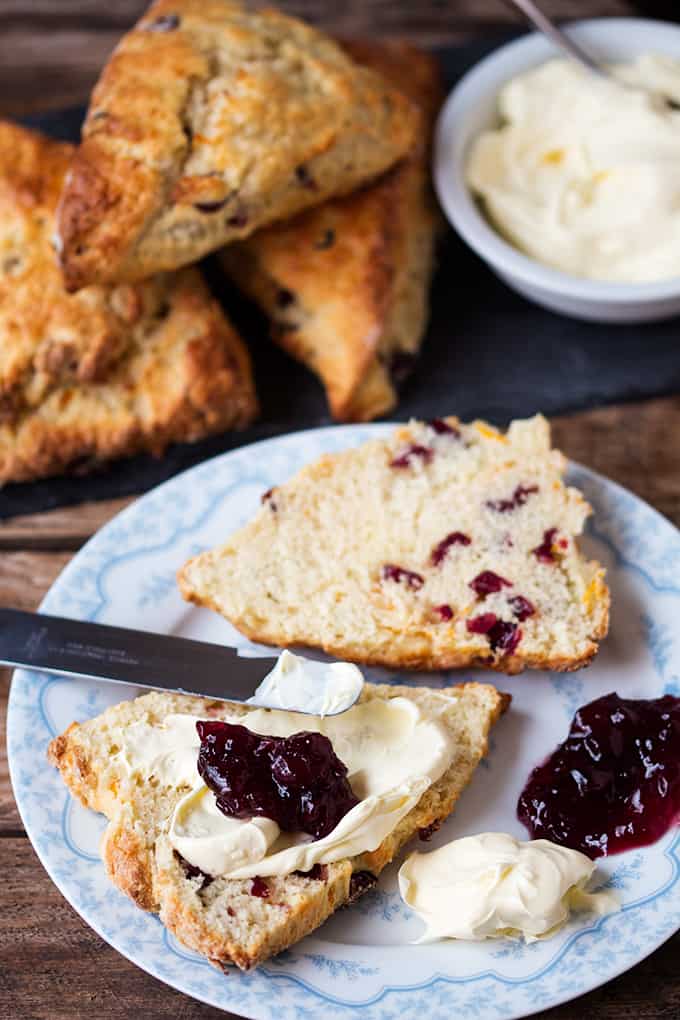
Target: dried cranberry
(166,23)
(504,636)
(482,624)
(522,609)
(268,497)
(544,551)
(208,207)
(614,783)
(442,428)
(414,452)
(444,612)
(259,887)
(488,583)
(518,498)
(191,871)
(305,178)
(297,781)
(239,219)
(360,882)
(426,833)
(327,241)
(440,550)
(318,873)
(391,572)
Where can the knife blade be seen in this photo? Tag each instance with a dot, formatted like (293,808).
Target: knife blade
(161,662)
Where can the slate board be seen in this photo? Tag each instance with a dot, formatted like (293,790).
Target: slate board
(487,353)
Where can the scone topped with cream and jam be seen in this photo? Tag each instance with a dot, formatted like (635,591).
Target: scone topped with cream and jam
(443,545)
(209,121)
(246,828)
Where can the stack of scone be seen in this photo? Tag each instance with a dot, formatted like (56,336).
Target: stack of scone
(210,127)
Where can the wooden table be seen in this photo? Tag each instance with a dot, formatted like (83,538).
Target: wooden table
(52,965)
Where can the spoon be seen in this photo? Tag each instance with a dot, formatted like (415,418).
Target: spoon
(564,42)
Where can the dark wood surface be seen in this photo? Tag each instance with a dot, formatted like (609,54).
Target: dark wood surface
(52,966)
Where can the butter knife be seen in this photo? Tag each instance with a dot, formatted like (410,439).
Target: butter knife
(161,662)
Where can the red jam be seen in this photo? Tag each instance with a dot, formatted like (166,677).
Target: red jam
(297,781)
(614,783)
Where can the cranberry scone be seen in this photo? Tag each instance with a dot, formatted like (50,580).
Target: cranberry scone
(218,874)
(248,117)
(444,545)
(111,370)
(345,285)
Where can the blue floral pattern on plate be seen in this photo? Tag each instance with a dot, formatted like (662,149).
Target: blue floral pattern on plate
(361,963)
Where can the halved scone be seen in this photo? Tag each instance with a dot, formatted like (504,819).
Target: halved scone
(232,920)
(444,545)
(209,121)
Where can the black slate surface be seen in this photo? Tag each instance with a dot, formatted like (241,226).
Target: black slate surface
(488,353)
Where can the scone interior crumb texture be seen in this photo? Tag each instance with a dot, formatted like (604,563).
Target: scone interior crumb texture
(441,546)
(248,117)
(109,371)
(221,918)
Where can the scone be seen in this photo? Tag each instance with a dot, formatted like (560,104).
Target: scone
(345,284)
(441,546)
(210,121)
(108,371)
(242,921)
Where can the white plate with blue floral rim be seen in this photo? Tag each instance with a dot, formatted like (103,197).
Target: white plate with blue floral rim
(361,963)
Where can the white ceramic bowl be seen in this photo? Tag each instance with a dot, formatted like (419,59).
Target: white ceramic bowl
(472,107)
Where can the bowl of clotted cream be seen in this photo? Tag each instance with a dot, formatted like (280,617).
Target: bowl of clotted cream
(566,183)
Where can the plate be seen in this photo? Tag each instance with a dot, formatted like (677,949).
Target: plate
(361,963)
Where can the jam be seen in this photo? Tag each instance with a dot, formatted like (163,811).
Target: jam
(614,783)
(297,781)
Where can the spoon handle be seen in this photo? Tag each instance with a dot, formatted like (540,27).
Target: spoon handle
(549,29)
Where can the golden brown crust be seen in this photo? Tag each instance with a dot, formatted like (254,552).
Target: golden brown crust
(345,284)
(406,654)
(287,922)
(107,372)
(187,379)
(126,860)
(48,338)
(166,172)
